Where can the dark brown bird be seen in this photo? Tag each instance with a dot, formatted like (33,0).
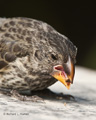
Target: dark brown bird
(33,55)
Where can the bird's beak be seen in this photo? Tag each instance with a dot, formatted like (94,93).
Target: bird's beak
(64,74)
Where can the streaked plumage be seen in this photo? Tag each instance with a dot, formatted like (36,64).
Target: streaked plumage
(28,51)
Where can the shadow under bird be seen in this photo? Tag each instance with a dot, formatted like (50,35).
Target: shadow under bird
(33,55)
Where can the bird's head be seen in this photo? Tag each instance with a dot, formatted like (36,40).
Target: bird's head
(64,60)
(56,57)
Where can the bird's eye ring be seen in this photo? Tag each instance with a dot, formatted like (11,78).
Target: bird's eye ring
(53,57)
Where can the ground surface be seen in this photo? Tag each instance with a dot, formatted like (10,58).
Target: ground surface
(83,107)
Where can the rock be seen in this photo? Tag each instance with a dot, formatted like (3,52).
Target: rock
(83,107)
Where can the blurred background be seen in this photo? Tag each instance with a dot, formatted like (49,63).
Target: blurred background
(75,20)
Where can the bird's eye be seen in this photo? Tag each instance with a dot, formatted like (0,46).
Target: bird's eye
(54,57)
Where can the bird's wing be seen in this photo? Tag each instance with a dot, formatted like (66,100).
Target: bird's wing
(12,44)
(10,50)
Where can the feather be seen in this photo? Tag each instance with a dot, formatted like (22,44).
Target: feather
(28,50)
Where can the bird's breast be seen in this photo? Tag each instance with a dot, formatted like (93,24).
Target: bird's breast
(20,76)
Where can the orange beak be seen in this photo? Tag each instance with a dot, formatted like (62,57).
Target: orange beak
(64,75)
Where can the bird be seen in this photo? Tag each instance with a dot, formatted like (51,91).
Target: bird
(33,55)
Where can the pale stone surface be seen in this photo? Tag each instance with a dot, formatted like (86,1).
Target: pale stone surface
(83,89)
